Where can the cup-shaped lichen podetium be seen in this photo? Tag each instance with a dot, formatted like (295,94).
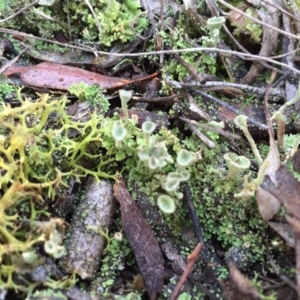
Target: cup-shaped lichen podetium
(236,164)
(148,127)
(215,23)
(118,132)
(241,122)
(185,158)
(125,96)
(166,204)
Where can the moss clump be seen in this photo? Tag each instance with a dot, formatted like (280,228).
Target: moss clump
(233,222)
(120,20)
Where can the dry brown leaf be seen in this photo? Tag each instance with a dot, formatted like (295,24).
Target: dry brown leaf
(240,288)
(296,161)
(61,77)
(142,241)
(285,230)
(268,204)
(287,190)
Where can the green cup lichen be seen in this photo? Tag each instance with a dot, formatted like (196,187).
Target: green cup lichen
(125,97)
(236,164)
(166,204)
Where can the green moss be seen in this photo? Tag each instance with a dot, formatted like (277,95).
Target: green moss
(117,254)
(231,221)
(120,20)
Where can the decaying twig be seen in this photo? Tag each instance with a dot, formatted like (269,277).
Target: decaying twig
(194,218)
(198,133)
(138,54)
(226,105)
(11,62)
(85,242)
(225,85)
(189,267)
(282,276)
(212,128)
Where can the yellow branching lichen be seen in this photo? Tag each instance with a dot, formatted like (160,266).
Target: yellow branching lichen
(37,156)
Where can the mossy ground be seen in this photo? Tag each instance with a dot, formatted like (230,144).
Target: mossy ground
(38,156)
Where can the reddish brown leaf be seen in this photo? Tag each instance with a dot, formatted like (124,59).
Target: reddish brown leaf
(61,77)
(142,241)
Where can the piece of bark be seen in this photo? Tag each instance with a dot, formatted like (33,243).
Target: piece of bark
(85,243)
(142,240)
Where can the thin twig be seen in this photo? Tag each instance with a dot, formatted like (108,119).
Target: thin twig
(224,84)
(138,54)
(189,268)
(282,276)
(245,50)
(190,68)
(69,21)
(11,62)
(281,9)
(285,54)
(159,100)
(233,109)
(87,2)
(19,11)
(258,21)
(213,129)
(191,208)
(198,133)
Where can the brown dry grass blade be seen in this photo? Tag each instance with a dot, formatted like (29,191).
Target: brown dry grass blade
(240,288)
(61,77)
(142,241)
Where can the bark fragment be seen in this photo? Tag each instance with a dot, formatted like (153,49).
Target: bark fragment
(85,244)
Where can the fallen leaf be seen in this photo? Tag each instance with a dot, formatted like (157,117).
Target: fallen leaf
(142,241)
(240,288)
(287,190)
(285,230)
(268,204)
(61,77)
(296,161)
